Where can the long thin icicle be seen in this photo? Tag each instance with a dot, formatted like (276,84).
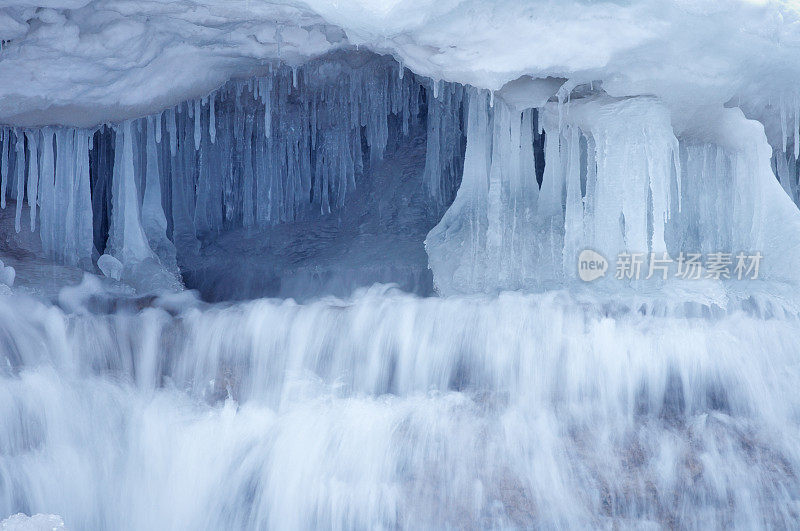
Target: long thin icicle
(20,182)
(33,175)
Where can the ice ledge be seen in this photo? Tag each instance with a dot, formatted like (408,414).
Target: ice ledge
(82,62)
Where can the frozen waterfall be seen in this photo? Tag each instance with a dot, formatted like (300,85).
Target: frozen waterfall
(617,180)
(296,145)
(343,295)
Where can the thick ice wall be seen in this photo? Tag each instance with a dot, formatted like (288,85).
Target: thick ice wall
(617,181)
(732,197)
(483,239)
(605,161)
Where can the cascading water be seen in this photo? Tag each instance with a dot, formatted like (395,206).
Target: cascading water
(389,411)
(519,398)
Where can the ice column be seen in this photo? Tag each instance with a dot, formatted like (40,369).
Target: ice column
(482,242)
(610,172)
(126,240)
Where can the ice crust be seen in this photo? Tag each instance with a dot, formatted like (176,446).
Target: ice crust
(84,62)
(37,522)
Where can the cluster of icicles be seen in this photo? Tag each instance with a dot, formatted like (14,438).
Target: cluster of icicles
(252,154)
(618,179)
(785,159)
(293,144)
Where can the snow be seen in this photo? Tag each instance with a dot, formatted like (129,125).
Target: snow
(37,522)
(128,59)
(90,61)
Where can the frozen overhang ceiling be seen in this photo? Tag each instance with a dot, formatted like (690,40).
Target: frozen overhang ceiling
(83,62)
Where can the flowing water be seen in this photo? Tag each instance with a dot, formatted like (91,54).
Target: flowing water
(392,411)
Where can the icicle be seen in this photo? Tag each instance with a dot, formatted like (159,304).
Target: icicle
(796,127)
(248,208)
(47,218)
(527,160)
(676,163)
(197,125)
(20,184)
(158,127)
(267,97)
(553,180)
(784,133)
(81,250)
(6,145)
(503,175)
(212,118)
(154,222)
(589,197)
(126,239)
(433,171)
(33,175)
(172,130)
(573,217)
(64,206)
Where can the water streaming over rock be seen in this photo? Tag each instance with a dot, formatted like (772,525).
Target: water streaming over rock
(391,411)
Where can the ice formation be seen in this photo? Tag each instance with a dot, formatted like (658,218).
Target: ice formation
(37,522)
(305,150)
(255,153)
(617,179)
(172,51)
